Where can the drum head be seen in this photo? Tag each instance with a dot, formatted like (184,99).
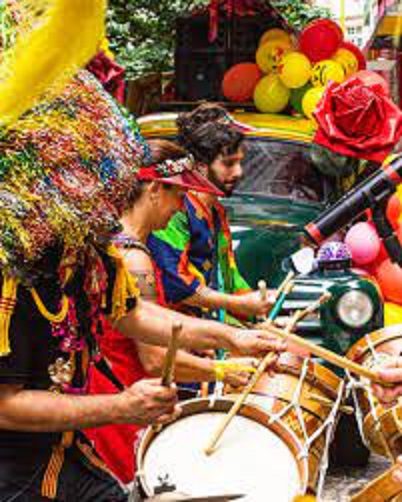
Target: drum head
(251,459)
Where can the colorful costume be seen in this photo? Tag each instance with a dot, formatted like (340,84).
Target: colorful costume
(64,169)
(195,249)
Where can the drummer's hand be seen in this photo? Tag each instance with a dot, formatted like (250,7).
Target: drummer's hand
(257,343)
(236,377)
(390,372)
(251,304)
(148,402)
(397,474)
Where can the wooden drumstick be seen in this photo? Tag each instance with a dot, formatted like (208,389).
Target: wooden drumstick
(332,357)
(262,288)
(284,284)
(267,361)
(170,358)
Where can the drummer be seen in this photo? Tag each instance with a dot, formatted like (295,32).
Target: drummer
(194,254)
(151,203)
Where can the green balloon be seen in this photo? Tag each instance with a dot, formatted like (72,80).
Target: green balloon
(296,97)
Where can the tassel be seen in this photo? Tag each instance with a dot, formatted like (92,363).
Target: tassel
(7,305)
(64,36)
(125,286)
(51,478)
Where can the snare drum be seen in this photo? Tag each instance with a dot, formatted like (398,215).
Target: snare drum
(381,428)
(306,397)
(254,458)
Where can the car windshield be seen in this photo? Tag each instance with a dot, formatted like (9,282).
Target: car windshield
(280,168)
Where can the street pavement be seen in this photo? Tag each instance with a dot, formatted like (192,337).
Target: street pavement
(341,483)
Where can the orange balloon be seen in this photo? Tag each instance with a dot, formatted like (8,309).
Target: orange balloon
(389,277)
(240,80)
(394,211)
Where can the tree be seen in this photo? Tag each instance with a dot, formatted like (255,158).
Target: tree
(298,13)
(141,32)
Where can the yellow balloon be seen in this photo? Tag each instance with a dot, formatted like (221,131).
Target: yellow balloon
(275,34)
(392,314)
(294,70)
(325,71)
(311,100)
(347,60)
(269,54)
(270,95)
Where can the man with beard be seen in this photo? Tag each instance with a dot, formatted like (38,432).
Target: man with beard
(197,270)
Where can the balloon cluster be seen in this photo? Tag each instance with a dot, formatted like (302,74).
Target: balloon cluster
(368,252)
(295,72)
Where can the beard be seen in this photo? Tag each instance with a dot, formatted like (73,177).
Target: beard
(226,188)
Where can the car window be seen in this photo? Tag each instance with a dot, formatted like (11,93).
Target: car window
(280,168)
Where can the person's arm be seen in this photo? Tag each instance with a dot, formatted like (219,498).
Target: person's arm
(152,324)
(247,304)
(42,411)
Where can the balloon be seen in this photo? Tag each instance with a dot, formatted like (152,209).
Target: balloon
(311,100)
(392,314)
(239,81)
(394,210)
(389,277)
(297,95)
(351,47)
(320,39)
(269,54)
(270,95)
(363,243)
(275,34)
(294,70)
(325,71)
(347,60)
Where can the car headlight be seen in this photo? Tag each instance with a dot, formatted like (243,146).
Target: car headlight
(355,309)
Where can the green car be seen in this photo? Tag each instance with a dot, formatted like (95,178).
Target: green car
(282,190)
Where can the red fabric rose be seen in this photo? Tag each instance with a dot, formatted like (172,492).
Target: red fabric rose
(110,74)
(357,118)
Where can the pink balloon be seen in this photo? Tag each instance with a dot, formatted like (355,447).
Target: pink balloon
(389,277)
(363,242)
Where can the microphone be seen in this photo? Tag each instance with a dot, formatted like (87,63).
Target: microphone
(373,193)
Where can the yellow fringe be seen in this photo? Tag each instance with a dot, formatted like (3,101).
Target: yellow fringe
(7,305)
(125,286)
(56,318)
(63,37)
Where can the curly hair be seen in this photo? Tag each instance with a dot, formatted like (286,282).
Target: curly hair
(207,132)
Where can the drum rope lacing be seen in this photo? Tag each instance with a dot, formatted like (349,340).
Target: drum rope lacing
(327,426)
(354,385)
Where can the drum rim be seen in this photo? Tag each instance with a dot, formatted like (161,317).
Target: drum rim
(360,349)
(252,412)
(370,430)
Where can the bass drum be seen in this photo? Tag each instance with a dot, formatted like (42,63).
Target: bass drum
(253,458)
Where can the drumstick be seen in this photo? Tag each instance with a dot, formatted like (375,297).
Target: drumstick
(328,355)
(170,358)
(268,359)
(283,285)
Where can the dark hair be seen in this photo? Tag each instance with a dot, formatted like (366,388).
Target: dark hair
(160,150)
(206,133)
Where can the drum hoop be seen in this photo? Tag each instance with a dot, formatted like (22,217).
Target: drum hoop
(361,349)
(200,405)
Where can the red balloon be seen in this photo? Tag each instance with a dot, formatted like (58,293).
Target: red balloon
(394,210)
(389,277)
(240,80)
(320,39)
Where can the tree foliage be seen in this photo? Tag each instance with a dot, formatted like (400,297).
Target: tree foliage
(141,32)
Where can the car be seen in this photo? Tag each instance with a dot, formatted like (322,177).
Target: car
(282,190)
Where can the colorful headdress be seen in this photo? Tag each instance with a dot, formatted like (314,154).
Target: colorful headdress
(179,172)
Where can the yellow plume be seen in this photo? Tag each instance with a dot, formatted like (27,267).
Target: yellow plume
(63,36)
